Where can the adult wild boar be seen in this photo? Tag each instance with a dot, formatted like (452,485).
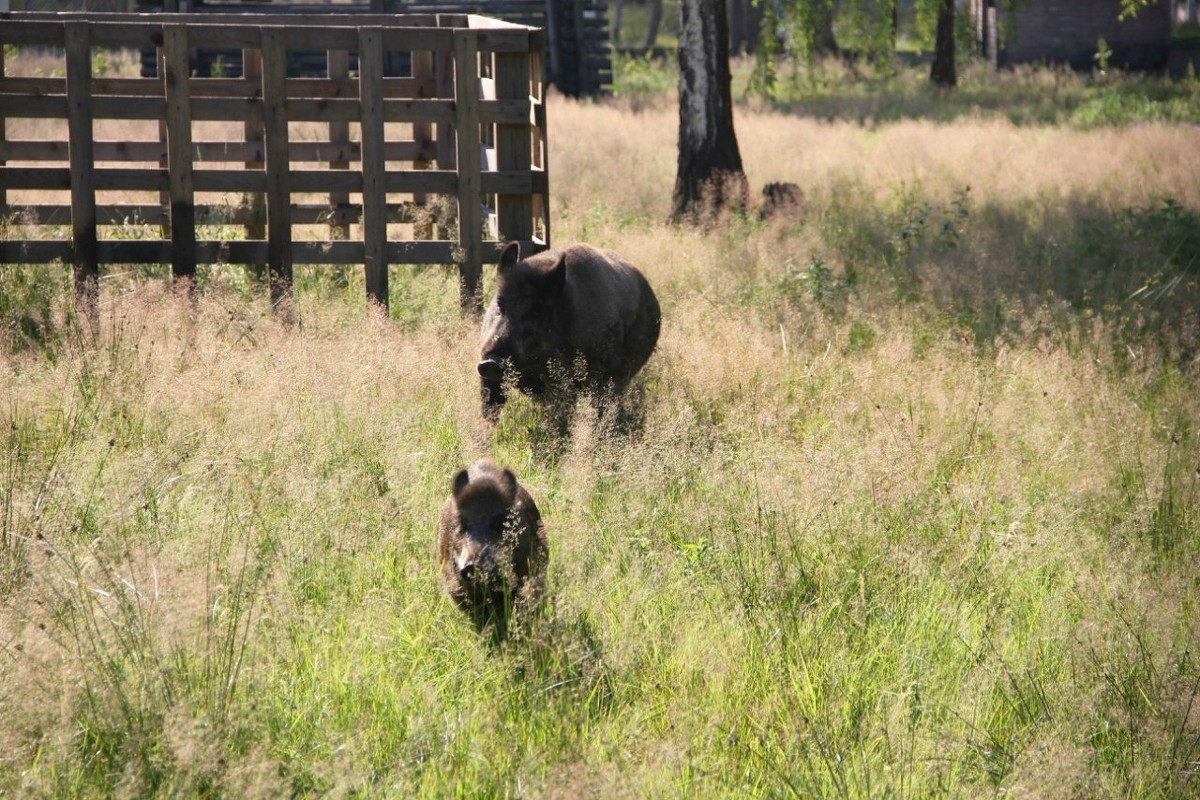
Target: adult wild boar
(491,545)
(579,318)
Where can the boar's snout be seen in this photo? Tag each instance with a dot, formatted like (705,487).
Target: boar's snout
(491,370)
(466,571)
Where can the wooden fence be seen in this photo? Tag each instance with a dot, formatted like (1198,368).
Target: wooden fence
(456,150)
(578,58)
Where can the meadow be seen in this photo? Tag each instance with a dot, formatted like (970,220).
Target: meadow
(906,504)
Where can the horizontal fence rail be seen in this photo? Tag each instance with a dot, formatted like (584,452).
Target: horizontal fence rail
(440,166)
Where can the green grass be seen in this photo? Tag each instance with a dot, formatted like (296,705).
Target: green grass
(905,504)
(883,93)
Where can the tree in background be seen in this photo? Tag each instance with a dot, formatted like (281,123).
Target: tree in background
(710,175)
(942,72)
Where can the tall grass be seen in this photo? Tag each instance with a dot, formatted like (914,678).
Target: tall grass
(905,503)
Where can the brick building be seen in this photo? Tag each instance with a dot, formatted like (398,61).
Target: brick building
(1068,32)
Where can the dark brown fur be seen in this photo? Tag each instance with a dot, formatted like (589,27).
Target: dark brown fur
(572,319)
(491,545)
(782,200)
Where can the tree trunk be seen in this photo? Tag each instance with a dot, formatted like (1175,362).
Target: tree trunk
(652,27)
(942,72)
(710,176)
(823,42)
(616,23)
(745,25)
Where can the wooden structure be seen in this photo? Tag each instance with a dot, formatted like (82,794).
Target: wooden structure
(578,61)
(1068,32)
(464,133)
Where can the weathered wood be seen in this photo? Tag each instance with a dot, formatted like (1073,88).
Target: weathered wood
(179,153)
(252,130)
(442,103)
(514,147)
(279,197)
(3,133)
(337,64)
(125,214)
(83,189)
(370,77)
(422,133)
(466,124)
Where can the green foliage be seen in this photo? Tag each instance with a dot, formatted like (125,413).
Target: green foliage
(28,301)
(643,80)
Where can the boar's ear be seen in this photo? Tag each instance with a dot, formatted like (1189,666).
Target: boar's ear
(510,255)
(461,479)
(556,277)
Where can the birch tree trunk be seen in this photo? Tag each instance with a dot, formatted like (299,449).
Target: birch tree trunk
(709,178)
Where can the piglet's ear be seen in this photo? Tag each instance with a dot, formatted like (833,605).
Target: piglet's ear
(556,278)
(510,255)
(508,482)
(461,479)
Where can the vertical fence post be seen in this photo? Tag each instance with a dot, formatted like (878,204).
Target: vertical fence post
(86,249)
(337,65)
(541,140)
(253,130)
(422,72)
(3,131)
(446,153)
(279,195)
(514,147)
(466,124)
(370,95)
(179,154)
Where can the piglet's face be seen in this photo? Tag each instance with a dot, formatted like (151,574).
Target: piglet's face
(485,516)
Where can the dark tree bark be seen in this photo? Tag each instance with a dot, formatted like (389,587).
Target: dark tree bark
(745,25)
(942,73)
(709,178)
(824,43)
(656,7)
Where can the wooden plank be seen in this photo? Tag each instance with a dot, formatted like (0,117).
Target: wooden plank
(275,131)
(35,178)
(510,110)
(370,77)
(252,130)
(34,251)
(231,180)
(513,182)
(3,133)
(337,64)
(239,88)
(135,251)
(164,196)
(44,214)
(426,252)
(422,132)
(514,151)
(429,181)
(179,154)
(124,214)
(24,106)
(446,154)
(514,148)
(466,124)
(83,189)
